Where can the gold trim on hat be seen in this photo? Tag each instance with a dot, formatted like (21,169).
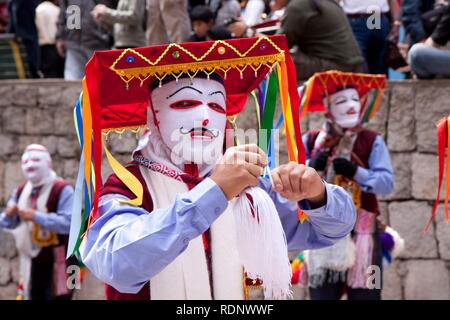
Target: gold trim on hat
(240,63)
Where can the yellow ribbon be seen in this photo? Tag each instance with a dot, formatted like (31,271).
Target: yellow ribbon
(127,178)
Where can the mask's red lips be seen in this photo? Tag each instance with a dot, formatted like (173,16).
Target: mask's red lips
(199,133)
(203,134)
(351,112)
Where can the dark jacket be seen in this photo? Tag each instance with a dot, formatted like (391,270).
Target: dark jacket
(412,11)
(87,34)
(320,29)
(441,35)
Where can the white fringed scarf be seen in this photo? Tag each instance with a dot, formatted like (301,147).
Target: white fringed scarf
(257,245)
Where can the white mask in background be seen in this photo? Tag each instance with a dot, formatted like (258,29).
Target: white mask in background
(36,164)
(345,107)
(191,116)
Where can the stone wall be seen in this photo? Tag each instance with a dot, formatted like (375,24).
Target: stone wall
(41,112)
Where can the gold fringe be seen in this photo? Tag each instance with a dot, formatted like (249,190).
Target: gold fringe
(192,68)
(120,131)
(351,186)
(49,240)
(194,57)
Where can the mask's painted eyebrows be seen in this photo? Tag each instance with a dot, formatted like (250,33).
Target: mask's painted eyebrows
(339,100)
(185,87)
(218,92)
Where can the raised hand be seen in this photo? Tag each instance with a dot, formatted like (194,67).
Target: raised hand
(298,182)
(239,168)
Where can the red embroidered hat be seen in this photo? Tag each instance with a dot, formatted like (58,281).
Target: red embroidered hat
(118,80)
(370,88)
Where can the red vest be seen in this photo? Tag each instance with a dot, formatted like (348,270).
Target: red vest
(46,254)
(115,186)
(362,149)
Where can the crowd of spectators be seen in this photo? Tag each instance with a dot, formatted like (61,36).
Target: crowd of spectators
(60,36)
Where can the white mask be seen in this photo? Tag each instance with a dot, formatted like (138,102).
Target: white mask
(191,117)
(36,164)
(345,107)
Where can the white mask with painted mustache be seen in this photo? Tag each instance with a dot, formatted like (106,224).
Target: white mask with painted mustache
(191,118)
(345,107)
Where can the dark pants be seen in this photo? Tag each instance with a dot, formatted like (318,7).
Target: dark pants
(372,42)
(41,279)
(334,290)
(52,64)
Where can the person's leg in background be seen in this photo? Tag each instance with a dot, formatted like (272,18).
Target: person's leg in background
(74,64)
(156,30)
(428,62)
(76,60)
(329,290)
(361,33)
(376,47)
(52,64)
(41,280)
(176,19)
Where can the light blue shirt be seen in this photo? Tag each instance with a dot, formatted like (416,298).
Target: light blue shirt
(379,177)
(126,246)
(58,221)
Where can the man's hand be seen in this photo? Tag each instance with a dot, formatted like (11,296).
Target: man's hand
(98,13)
(61,48)
(11,211)
(239,168)
(27,214)
(297,182)
(394,34)
(344,167)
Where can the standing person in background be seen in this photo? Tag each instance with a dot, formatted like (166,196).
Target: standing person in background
(372,37)
(22,14)
(168,21)
(78,43)
(345,153)
(128,22)
(51,63)
(38,214)
(322,36)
